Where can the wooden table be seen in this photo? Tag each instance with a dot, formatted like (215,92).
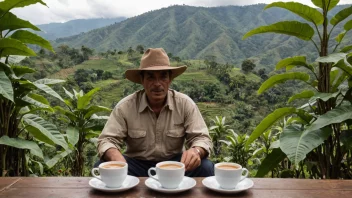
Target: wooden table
(263,187)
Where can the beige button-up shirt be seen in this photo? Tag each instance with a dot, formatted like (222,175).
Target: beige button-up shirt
(148,137)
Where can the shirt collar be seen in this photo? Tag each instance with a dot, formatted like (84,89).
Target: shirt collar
(144,102)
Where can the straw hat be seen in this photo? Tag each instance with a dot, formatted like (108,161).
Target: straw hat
(154,59)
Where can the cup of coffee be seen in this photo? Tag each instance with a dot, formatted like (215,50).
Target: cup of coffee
(168,173)
(228,174)
(111,173)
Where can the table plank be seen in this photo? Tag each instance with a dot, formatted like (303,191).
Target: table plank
(143,192)
(263,187)
(6,182)
(259,183)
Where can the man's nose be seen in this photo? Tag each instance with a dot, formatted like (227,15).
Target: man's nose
(157,81)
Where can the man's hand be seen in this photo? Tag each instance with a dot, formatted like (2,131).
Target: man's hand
(191,159)
(112,154)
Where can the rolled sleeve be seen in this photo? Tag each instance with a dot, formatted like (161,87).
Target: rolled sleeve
(114,132)
(196,129)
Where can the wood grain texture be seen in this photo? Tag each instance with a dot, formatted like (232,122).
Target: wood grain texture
(6,182)
(264,188)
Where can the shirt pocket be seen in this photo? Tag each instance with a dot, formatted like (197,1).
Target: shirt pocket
(136,140)
(174,140)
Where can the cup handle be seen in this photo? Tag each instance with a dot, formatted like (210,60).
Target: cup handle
(152,176)
(246,174)
(94,175)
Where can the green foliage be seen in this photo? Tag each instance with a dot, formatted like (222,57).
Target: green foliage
(5,86)
(291,28)
(9,21)
(7,5)
(280,78)
(269,121)
(296,142)
(304,11)
(270,162)
(10,46)
(303,94)
(325,5)
(247,66)
(331,58)
(293,61)
(316,134)
(336,115)
(80,116)
(340,16)
(236,150)
(22,144)
(21,130)
(30,38)
(218,132)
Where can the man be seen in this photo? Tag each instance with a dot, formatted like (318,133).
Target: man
(156,122)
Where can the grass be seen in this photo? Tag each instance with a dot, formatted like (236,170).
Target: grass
(63,74)
(199,76)
(111,91)
(210,110)
(104,64)
(250,76)
(103,83)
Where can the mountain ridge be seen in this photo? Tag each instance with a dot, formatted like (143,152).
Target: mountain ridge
(195,32)
(52,31)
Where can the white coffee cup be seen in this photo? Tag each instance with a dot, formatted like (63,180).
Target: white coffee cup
(228,174)
(169,173)
(113,173)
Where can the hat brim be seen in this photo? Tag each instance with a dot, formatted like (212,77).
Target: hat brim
(134,74)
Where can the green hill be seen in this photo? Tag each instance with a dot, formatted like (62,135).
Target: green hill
(195,32)
(213,96)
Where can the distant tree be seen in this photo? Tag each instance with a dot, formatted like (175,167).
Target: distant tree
(93,77)
(99,73)
(108,52)
(262,74)
(106,75)
(177,59)
(86,52)
(170,55)
(81,76)
(130,52)
(140,49)
(248,65)
(42,52)
(210,62)
(63,49)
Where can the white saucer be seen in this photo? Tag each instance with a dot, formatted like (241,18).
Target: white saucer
(211,183)
(129,182)
(186,184)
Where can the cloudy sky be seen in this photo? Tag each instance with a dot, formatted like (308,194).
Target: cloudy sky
(65,10)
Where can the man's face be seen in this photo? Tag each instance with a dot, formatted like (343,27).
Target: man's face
(156,85)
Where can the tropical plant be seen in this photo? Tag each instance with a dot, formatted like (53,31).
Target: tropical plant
(322,133)
(21,127)
(82,126)
(218,132)
(236,149)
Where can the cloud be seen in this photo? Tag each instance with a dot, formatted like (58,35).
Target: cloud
(65,10)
